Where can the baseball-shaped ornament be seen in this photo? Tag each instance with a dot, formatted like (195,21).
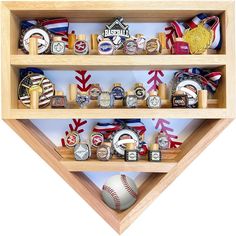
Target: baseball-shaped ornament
(119,192)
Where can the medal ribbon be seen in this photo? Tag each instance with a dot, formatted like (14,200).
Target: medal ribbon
(211,22)
(106,128)
(134,124)
(211,79)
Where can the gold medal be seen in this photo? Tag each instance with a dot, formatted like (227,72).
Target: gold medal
(199,38)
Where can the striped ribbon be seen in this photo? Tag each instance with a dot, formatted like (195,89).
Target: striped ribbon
(135,124)
(211,22)
(211,79)
(24,72)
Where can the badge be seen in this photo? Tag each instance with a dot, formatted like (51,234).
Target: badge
(117,32)
(140,91)
(96,139)
(72,139)
(82,152)
(44,39)
(105,100)
(118,92)
(105,47)
(121,137)
(81,47)
(82,99)
(94,91)
(130,47)
(153,46)
(34,81)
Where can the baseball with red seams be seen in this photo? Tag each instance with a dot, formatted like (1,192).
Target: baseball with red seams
(119,192)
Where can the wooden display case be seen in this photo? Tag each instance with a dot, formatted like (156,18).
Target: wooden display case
(219,113)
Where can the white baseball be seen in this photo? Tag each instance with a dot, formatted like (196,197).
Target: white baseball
(119,192)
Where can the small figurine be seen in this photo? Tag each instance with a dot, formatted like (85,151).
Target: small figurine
(59,100)
(153,46)
(130,47)
(130,100)
(82,152)
(180,47)
(140,91)
(163,141)
(154,154)
(105,47)
(58,46)
(105,100)
(117,32)
(104,152)
(81,46)
(153,101)
(82,99)
(179,99)
(131,153)
(94,91)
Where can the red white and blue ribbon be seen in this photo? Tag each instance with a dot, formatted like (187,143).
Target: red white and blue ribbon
(25,24)
(135,124)
(211,22)
(106,128)
(212,79)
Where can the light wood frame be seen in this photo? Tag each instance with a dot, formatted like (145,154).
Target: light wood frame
(12,60)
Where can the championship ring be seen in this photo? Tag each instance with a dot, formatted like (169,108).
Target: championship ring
(199,38)
(72,138)
(153,46)
(82,99)
(96,139)
(130,47)
(104,152)
(81,47)
(163,141)
(82,152)
(58,102)
(105,100)
(140,91)
(94,91)
(35,81)
(189,84)
(105,47)
(118,92)
(44,39)
(154,102)
(121,137)
(140,40)
(117,32)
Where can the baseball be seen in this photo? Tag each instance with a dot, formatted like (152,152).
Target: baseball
(119,192)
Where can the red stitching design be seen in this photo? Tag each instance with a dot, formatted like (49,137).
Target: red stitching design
(113,194)
(127,186)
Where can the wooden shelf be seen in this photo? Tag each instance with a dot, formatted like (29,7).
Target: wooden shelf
(116,164)
(118,62)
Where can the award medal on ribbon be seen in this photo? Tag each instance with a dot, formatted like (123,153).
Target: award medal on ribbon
(121,137)
(44,39)
(72,139)
(35,81)
(117,32)
(199,39)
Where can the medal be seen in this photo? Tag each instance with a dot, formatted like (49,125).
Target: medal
(140,91)
(117,32)
(153,46)
(122,137)
(117,91)
(72,139)
(35,81)
(199,38)
(94,91)
(130,47)
(96,139)
(42,34)
(82,152)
